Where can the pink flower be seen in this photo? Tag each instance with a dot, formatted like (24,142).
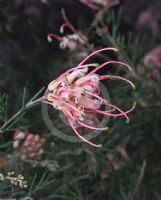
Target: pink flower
(18,136)
(77,94)
(31,145)
(68,41)
(98,4)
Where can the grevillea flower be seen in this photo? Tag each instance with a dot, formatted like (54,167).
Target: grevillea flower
(77,94)
(30,145)
(68,41)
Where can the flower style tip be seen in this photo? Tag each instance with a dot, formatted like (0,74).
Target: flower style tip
(127,120)
(62,27)
(132,108)
(116,50)
(134,87)
(96,64)
(105,128)
(49,38)
(130,69)
(134,104)
(61,30)
(77,94)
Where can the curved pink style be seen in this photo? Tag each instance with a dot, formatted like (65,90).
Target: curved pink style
(77,94)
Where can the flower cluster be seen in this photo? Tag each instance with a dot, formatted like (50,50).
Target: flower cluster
(69,40)
(77,94)
(31,146)
(15,180)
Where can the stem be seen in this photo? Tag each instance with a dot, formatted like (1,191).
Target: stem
(18,113)
(139,181)
(73,28)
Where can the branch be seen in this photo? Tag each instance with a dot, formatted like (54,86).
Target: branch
(19,113)
(140,178)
